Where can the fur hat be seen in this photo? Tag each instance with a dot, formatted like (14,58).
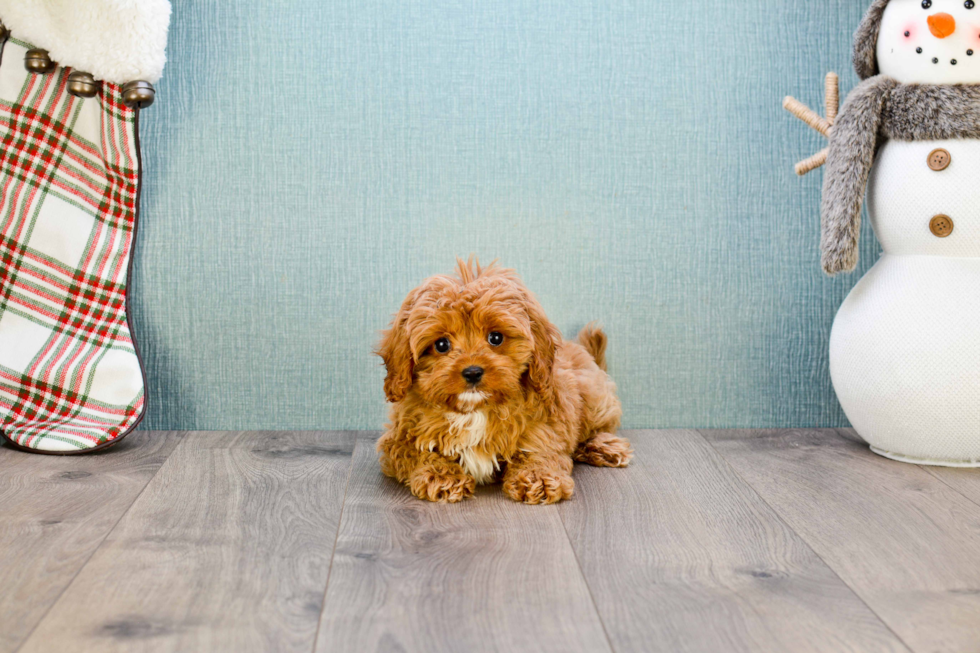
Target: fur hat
(866,41)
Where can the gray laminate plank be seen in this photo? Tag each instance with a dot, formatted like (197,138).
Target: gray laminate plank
(227,549)
(486,574)
(681,555)
(904,541)
(963,480)
(54,513)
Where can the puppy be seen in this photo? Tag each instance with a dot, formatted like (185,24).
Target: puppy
(484,388)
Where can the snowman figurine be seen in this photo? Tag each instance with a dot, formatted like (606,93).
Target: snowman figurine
(905,345)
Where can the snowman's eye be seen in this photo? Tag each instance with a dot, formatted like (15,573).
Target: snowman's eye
(969,4)
(926,4)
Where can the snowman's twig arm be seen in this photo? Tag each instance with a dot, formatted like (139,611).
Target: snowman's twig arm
(816,122)
(853,143)
(831,86)
(812,163)
(807,115)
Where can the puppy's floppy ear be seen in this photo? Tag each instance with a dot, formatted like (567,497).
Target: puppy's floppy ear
(396,351)
(540,371)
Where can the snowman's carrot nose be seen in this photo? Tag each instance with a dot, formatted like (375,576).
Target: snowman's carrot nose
(942,25)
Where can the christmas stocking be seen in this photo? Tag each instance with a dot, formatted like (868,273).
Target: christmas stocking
(70,374)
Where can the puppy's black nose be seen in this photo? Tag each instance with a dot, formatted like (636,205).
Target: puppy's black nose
(473,374)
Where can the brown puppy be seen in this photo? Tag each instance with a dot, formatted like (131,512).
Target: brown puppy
(484,387)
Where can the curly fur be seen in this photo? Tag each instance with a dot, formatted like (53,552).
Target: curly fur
(541,401)
(594,340)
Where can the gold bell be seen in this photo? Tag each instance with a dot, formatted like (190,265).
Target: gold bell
(82,84)
(38,61)
(138,94)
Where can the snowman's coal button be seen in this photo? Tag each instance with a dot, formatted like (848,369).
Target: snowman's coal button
(939,159)
(941,226)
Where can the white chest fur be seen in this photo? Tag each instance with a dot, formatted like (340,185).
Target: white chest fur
(467,431)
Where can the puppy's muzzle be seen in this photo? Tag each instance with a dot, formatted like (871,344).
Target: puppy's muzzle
(473,374)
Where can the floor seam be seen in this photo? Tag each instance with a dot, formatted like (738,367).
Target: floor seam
(585,580)
(336,539)
(779,516)
(183,438)
(930,472)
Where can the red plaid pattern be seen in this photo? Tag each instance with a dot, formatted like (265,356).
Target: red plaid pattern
(70,376)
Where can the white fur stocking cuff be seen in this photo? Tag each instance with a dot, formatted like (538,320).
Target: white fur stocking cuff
(115,40)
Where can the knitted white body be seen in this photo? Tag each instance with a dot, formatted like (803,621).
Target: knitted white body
(905,346)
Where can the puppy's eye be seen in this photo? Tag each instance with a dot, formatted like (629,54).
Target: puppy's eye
(926,4)
(495,338)
(442,345)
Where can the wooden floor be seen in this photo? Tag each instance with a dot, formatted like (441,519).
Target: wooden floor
(294,541)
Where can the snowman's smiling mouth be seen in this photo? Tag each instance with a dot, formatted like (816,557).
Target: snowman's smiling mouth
(952,62)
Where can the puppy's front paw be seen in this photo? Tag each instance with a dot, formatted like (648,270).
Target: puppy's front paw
(538,485)
(435,483)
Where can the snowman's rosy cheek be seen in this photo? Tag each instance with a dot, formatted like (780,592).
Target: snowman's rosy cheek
(908,33)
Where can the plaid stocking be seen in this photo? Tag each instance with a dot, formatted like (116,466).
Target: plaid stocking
(70,375)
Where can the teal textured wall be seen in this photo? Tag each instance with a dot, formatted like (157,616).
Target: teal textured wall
(307,163)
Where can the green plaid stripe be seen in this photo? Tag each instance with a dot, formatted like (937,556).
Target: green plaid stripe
(69,175)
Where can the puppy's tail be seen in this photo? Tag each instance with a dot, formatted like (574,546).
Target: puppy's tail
(593,338)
